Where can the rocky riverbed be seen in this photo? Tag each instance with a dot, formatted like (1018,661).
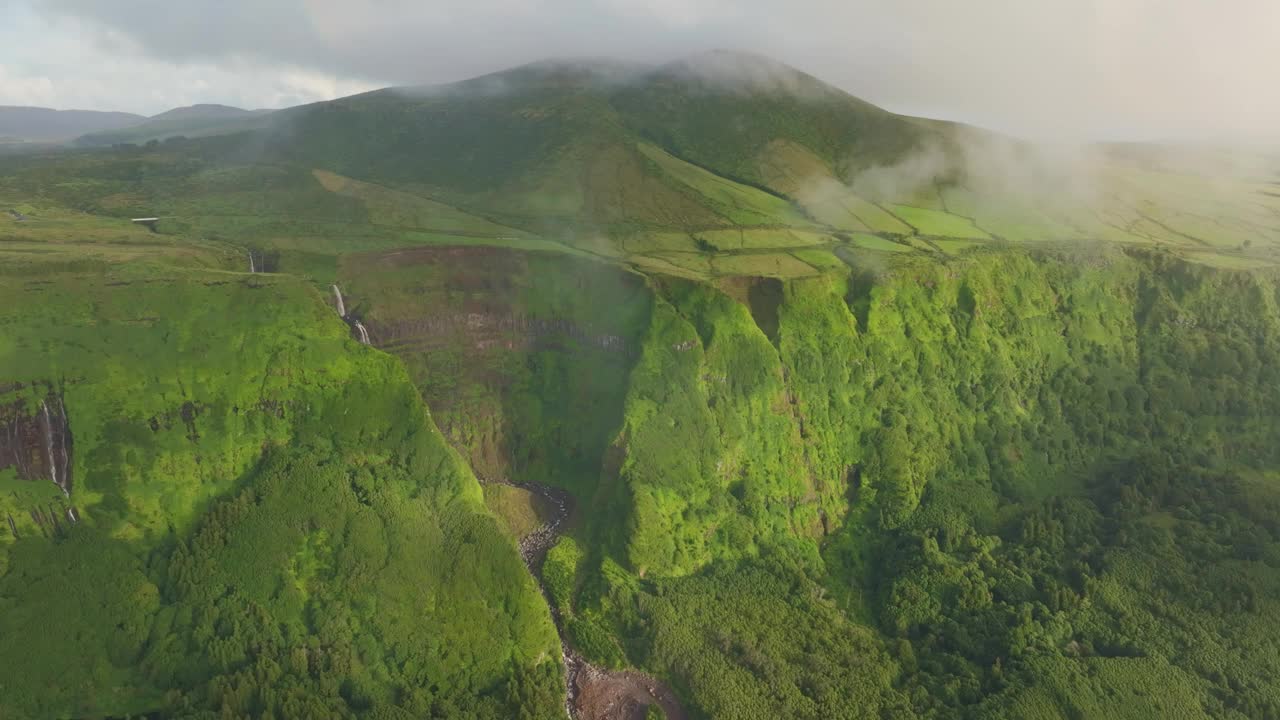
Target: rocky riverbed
(591,692)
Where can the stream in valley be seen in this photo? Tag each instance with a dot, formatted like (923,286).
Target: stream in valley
(591,692)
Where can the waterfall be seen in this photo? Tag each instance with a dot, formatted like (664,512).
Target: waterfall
(253,267)
(66,458)
(60,452)
(48,441)
(48,444)
(337,296)
(362,333)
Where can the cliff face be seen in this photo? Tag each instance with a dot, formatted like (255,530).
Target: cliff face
(1012,369)
(708,421)
(522,357)
(738,451)
(36,445)
(237,458)
(753,442)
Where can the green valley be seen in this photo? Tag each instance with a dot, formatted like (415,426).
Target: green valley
(633,392)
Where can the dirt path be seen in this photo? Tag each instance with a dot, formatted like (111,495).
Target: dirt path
(591,692)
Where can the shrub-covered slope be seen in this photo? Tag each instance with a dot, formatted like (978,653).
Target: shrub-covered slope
(266,521)
(945,414)
(964,475)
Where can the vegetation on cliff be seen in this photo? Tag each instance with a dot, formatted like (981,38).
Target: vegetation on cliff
(269,523)
(836,448)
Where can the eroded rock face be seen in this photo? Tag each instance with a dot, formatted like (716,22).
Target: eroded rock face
(37,443)
(484,330)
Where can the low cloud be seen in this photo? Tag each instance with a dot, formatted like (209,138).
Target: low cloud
(1078,69)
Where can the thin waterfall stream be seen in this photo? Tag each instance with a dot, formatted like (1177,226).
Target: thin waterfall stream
(55,443)
(337,298)
(357,328)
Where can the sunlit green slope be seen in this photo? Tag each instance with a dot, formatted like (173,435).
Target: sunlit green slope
(967,480)
(239,466)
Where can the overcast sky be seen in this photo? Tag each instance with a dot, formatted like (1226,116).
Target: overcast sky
(1146,69)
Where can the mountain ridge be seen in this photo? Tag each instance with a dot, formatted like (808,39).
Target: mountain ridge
(200,120)
(40,124)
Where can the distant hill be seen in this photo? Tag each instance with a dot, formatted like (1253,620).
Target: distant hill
(190,121)
(791,406)
(201,112)
(36,124)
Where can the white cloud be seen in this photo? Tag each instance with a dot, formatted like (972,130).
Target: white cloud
(68,63)
(19,89)
(1046,67)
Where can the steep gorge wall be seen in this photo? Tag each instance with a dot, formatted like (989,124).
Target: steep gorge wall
(241,464)
(522,357)
(1011,368)
(699,423)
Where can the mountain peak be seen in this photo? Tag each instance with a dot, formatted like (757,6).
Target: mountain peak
(743,71)
(202,110)
(555,74)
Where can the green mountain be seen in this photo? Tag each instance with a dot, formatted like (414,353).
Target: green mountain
(609,146)
(190,121)
(792,408)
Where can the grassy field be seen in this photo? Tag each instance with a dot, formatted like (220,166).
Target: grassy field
(778,265)
(737,203)
(936,223)
(874,242)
